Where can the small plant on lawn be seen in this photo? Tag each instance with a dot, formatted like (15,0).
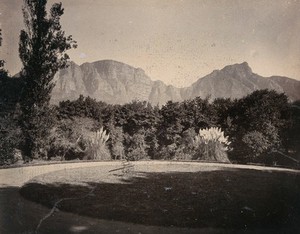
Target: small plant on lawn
(211,145)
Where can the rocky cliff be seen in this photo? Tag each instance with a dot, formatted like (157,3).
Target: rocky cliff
(119,83)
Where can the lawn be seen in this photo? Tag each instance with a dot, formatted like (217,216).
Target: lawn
(218,197)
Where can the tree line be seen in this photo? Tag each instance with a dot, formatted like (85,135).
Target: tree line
(261,127)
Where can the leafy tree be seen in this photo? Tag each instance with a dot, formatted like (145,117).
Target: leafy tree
(262,106)
(116,141)
(200,112)
(152,143)
(42,50)
(170,126)
(264,114)
(222,108)
(136,120)
(258,143)
(136,147)
(179,119)
(185,149)
(137,115)
(82,107)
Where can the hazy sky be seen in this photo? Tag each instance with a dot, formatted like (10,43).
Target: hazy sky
(176,41)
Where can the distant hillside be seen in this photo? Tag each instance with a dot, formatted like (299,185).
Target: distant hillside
(290,86)
(118,83)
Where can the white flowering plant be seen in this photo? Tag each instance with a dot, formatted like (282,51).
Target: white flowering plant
(98,146)
(95,146)
(211,145)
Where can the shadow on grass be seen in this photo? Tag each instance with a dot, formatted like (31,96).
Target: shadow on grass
(18,215)
(229,198)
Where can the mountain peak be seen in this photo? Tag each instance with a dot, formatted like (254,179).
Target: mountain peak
(110,63)
(243,68)
(244,64)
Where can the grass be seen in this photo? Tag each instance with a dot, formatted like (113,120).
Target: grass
(223,198)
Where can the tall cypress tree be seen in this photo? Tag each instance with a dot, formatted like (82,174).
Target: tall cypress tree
(42,49)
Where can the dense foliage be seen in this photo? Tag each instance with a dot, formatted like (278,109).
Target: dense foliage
(261,127)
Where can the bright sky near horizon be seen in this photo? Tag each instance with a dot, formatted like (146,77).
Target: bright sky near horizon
(176,41)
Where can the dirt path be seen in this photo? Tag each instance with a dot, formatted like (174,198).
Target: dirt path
(22,216)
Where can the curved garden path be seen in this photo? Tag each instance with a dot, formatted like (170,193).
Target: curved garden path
(19,215)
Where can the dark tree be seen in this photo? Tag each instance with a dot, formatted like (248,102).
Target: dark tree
(171,125)
(3,72)
(42,50)
(9,88)
(222,109)
(292,136)
(259,122)
(9,130)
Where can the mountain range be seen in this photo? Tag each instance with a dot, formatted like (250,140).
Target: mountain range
(118,83)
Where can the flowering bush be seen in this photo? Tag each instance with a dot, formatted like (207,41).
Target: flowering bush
(211,145)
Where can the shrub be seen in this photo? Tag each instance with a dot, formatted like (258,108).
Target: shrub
(10,139)
(181,150)
(96,146)
(115,142)
(261,143)
(70,138)
(168,151)
(136,147)
(256,143)
(211,145)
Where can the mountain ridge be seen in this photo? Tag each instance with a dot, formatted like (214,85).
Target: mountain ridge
(118,83)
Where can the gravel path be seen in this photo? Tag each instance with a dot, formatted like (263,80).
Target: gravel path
(22,216)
